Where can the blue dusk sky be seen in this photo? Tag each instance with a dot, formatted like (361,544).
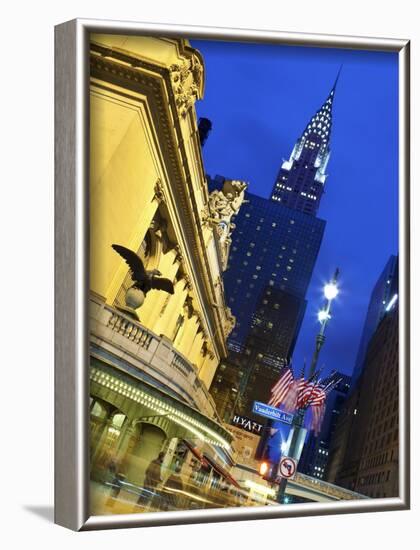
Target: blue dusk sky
(259,98)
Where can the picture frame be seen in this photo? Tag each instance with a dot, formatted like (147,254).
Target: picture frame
(72,272)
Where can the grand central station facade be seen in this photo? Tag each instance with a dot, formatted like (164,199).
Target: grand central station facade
(152,365)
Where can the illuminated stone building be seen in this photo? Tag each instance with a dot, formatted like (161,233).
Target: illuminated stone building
(148,192)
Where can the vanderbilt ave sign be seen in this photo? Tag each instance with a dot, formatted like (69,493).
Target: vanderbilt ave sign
(247,424)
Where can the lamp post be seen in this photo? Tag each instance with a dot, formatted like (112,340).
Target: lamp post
(298,432)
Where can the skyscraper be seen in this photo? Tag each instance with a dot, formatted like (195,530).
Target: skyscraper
(364,450)
(301,179)
(364,447)
(274,249)
(385,288)
(273,246)
(317,448)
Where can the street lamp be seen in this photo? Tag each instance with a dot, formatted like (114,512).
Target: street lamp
(324,315)
(298,433)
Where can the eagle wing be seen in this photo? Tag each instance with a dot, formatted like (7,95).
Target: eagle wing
(162,284)
(134,262)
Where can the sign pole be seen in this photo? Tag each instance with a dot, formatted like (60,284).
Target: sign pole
(330,291)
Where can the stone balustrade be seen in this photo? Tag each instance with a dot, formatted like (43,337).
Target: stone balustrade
(327,488)
(128,340)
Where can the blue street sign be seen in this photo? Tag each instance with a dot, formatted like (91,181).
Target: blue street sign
(272,412)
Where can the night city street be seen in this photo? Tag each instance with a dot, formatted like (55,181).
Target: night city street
(244,275)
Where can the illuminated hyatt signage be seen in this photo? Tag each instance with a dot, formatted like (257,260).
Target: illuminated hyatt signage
(247,424)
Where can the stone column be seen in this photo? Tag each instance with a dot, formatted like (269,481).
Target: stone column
(149,312)
(167,459)
(195,356)
(171,310)
(189,331)
(208,369)
(127,432)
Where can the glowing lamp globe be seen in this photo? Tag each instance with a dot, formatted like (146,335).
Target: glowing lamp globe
(330,291)
(322,315)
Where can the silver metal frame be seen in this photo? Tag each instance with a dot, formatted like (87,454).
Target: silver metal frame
(72,274)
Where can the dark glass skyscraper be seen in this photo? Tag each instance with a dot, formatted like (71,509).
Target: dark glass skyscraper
(274,249)
(273,246)
(385,288)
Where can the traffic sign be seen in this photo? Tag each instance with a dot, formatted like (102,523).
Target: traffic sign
(287,467)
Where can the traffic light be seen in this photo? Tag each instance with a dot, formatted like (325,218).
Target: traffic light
(264,468)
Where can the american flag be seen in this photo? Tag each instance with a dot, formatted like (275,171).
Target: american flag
(317,417)
(281,388)
(317,403)
(305,392)
(317,396)
(290,400)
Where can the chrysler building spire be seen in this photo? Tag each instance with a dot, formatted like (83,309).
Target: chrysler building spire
(300,182)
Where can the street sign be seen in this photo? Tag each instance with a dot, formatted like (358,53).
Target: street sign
(287,467)
(272,412)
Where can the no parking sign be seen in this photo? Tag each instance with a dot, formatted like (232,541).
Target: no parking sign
(287,467)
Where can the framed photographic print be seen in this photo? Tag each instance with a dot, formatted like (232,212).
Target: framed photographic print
(232,274)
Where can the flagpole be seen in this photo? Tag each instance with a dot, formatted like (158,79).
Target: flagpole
(330,292)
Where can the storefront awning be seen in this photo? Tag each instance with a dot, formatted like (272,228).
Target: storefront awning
(196,452)
(221,470)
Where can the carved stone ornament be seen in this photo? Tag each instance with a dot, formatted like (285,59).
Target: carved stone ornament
(159,194)
(188,283)
(186,78)
(178,256)
(223,205)
(229,323)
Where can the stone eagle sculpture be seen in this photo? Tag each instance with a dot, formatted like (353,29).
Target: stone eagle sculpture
(143,280)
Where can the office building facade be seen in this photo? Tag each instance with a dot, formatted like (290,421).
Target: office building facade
(364,448)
